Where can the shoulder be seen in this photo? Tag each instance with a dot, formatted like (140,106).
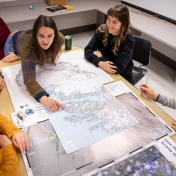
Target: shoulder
(102,28)
(100,32)
(129,40)
(130,37)
(24,43)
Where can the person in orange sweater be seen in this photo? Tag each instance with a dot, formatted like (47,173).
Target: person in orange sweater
(11,137)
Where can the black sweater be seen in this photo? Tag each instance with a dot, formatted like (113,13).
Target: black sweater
(123,59)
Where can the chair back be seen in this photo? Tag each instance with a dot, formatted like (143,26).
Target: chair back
(4,33)
(142,50)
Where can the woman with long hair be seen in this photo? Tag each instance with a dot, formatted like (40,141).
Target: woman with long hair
(39,45)
(111,47)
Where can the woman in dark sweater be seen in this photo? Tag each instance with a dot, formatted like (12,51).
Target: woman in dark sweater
(111,47)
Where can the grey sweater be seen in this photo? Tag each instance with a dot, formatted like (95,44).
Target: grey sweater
(167,101)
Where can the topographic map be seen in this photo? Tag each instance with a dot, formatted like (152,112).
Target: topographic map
(91,114)
(97,125)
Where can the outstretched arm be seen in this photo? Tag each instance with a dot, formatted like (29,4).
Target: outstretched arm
(11,57)
(148,91)
(50,104)
(19,139)
(28,65)
(164,100)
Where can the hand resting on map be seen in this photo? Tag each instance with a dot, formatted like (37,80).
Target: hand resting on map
(51,104)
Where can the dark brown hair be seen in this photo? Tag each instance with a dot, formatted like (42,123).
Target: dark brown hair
(55,47)
(120,12)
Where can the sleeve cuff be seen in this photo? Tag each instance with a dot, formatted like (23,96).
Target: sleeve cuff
(96,61)
(157,97)
(41,94)
(103,59)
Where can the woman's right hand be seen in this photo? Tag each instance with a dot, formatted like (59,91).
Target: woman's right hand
(107,66)
(51,104)
(21,141)
(148,91)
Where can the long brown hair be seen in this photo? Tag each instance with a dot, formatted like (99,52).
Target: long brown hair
(120,12)
(55,47)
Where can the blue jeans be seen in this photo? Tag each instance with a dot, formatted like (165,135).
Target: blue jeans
(8,45)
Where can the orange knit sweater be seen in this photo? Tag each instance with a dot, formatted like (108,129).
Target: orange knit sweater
(8,158)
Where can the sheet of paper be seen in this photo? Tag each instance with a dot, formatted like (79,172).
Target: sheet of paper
(47,155)
(157,159)
(91,114)
(28,115)
(117,88)
(69,66)
(17,90)
(168,149)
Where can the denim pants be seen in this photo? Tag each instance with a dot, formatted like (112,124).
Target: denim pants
(8,45)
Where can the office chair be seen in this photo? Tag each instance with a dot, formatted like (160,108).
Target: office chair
(141,54)
(4,33)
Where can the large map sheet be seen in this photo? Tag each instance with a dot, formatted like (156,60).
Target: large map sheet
(68,66)
(46,145)
(91,114)
(47,156)
(155,160)
(78,85)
